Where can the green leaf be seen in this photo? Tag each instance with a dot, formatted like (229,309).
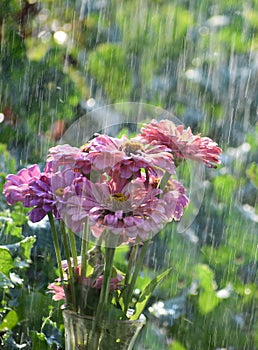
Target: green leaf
(22,248)
(224,186)
(36,50)
(205,276)
(252,173)
(176,346)
(10,321)
(39,341)
(7,162)
(26,245)
(147,292)
(13,232)
(207,301)
(6,261)
(33,307)
(105,64)
(19,214)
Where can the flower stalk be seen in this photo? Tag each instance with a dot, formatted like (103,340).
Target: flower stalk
(84,248)
(56,245)
(73,247)
(138,266)
(103,298)
(131,262)
(70,267)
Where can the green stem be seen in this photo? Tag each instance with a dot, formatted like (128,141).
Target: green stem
(138,266)
(56,245)
(84,248)
(105,288)
(103,298)
(68,258)
(132,258)
(84,262)
(164,180)
(110,253)
(73,247)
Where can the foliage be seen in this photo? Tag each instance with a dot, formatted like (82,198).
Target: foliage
(197,59)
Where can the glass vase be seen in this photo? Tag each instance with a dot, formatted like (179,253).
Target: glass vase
(84,333)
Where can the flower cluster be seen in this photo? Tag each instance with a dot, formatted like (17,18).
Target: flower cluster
(113,181)
(120,190)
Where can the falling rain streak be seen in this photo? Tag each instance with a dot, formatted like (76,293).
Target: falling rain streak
(60,63)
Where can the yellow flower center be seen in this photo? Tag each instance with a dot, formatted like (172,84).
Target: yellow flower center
(131,147)
(119,197)
(85,148)
(59,191)
(118,201)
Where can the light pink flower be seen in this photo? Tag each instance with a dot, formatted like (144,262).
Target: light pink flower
(58,290)
(181,142)
(128,156)
(69,157)
(175,200)
(130,212)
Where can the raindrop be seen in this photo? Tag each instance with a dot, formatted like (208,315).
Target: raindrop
(247,291)
(1,117)
(60,37)
(225,292)
(91,102)
(193,74)
(218,21)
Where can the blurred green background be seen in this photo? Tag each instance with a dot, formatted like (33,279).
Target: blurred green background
(197,59)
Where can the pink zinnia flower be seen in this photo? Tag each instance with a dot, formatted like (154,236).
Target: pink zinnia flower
(17,186)
(175,200)
(58,290)
(68,156)
(128,211)
(128,156)
(181,142)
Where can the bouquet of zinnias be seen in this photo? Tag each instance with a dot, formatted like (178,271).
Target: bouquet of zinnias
(117,191)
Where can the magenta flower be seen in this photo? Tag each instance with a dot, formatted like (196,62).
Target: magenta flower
(40,196)
(33,189)
(181,142)
(17,186)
